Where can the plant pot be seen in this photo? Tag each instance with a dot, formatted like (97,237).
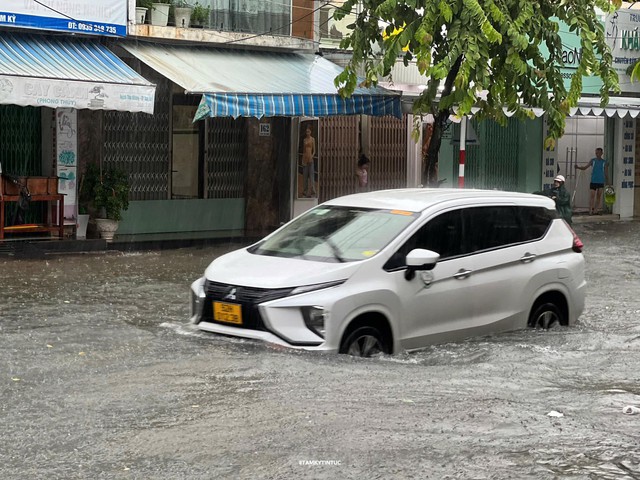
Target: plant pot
(106,228)
(81,226)
(141,15)
(160,14)
(182,16)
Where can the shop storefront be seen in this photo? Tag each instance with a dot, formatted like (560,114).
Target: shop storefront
(48,74)
(233,148)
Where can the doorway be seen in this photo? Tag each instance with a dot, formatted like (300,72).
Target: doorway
(582,135)
(186,139)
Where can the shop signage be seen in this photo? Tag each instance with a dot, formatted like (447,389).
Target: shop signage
(67,158)
(44,92)
(104,17)
(630,40)
(622,34)
(621,29)
(571,56)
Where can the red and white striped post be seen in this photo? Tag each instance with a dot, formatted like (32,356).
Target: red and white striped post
(463,141)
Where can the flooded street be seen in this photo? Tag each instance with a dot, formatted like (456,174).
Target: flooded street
(104,378)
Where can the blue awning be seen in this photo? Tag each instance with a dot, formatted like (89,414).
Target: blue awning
(244,105)
(236,83)
(55,71)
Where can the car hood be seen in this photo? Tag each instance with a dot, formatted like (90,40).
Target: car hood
(243,268)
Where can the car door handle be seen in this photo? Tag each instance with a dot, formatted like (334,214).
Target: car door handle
(462,274)
(528,257)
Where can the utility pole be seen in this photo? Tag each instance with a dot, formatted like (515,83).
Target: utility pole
(463,141)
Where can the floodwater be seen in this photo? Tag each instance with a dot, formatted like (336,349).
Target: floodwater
(103,377)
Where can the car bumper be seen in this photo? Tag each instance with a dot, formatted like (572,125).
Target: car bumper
(578,302)
(279,322)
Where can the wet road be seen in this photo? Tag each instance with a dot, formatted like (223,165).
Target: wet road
(103,378)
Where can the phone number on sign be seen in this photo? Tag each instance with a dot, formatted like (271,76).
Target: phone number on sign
(92,27)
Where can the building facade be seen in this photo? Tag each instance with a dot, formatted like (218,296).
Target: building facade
(513,157)
(211,146)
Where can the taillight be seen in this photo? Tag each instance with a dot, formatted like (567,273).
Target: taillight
(577,243)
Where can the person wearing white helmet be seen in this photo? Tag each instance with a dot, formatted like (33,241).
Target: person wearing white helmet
(562,198)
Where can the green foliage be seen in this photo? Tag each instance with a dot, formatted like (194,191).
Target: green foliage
(634,71)
(108,191)
(200,14)
(144,3)
(485,54)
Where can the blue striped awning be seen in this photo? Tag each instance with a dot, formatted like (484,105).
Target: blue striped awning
(56,71)
(236,83)
(244,105)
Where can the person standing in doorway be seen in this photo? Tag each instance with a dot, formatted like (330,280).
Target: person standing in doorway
(362,173)
(308,165)
(599,177)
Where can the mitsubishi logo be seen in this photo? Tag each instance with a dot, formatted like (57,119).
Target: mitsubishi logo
(231,295)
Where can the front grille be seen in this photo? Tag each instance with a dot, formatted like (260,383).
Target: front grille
(221,291)
(247,297)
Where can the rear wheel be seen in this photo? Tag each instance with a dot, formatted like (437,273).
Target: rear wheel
(364,342)
(546,315)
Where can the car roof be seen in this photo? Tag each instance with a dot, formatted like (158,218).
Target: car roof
(419,199)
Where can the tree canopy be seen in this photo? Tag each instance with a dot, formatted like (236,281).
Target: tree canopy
(488,54)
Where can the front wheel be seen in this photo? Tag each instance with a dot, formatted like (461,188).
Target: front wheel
(546,316)
(364,342)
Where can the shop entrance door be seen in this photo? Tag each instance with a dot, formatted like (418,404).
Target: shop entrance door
(582,136)
(186,169)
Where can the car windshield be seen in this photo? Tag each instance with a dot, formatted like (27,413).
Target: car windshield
(336,234)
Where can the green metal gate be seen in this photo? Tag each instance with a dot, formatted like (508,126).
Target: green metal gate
(21,152)
(20,140)
(494,162)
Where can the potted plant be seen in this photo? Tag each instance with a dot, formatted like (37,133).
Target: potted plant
(160,12)
(105,194)
(200,15)
(142,7)
(182,13)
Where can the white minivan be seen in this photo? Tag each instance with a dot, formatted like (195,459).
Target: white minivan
(387,271)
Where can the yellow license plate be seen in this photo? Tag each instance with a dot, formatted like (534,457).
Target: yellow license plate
(227,312)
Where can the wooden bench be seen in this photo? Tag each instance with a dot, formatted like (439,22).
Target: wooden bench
(41,189)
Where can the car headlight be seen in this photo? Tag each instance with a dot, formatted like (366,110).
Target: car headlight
(317,286)
(315,318)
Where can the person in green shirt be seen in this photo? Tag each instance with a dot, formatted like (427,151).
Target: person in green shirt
(562,198)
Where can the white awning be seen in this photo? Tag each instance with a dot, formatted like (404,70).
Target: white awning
(618,106)
(54,71)
(255,84)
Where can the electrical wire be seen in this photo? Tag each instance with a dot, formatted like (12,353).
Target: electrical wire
(54,10)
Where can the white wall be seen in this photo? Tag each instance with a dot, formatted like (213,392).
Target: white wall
(623,166)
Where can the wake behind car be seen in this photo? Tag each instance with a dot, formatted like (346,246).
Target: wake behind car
(386,271)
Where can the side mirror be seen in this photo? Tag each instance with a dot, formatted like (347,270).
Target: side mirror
(420,259)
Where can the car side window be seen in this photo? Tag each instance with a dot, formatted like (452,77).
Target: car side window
(536,221)
(493,227)
(442,234)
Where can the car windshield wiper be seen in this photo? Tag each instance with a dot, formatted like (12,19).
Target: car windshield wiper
(335,250)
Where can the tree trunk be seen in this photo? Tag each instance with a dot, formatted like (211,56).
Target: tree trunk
(430,163)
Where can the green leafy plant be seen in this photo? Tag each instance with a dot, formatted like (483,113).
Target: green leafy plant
(200,14)
(495,57)
(144,3)
(105,193)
